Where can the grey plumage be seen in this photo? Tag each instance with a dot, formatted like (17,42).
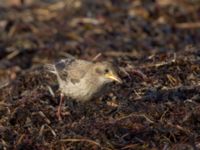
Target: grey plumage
(82,80)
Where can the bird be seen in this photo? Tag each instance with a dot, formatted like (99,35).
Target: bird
(82,80)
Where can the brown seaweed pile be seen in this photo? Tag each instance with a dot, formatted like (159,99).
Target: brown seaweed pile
(159,110)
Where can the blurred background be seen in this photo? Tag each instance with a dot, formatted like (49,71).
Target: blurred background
(36,31)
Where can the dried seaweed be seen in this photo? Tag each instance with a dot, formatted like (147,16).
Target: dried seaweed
(154,43)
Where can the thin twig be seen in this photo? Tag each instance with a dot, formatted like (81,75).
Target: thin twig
(52,131)
(83,140)
(96,57)
(4,84)
(42,130)
(135,115)
(20,139)
(188,25)
(44,117)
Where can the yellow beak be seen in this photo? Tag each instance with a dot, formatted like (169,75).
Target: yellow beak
(113,77)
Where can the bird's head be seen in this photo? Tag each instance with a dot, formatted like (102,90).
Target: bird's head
(106,72)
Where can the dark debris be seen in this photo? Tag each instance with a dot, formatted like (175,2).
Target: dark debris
(159,109)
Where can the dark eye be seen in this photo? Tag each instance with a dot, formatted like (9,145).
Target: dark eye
(106,71)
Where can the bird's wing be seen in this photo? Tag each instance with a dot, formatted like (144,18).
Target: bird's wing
(63,66)
(78,70)
(69,69)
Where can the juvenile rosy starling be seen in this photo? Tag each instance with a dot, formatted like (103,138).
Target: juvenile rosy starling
(82,80)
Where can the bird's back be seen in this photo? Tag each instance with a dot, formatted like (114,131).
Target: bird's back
(72,75)
(72,70)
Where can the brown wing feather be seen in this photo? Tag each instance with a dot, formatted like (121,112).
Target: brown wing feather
(72,70)
(62,67)
(78,70)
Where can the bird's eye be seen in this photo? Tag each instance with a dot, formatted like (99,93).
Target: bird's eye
(106,70)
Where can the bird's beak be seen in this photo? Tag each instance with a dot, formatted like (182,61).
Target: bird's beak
(113,77)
